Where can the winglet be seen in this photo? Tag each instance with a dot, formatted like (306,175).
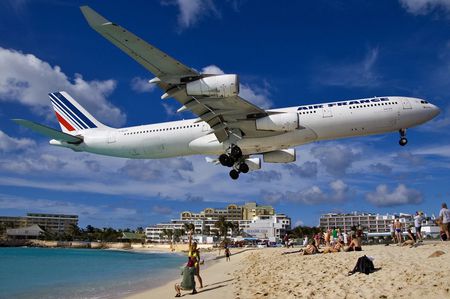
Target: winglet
(92,17)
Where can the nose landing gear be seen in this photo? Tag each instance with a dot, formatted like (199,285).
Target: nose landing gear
(403,141)
(234,158)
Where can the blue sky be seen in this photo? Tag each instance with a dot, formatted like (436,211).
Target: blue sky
(287,54)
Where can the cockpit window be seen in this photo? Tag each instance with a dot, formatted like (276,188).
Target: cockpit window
(424,102)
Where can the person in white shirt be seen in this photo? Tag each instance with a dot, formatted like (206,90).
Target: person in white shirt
(418,218)
(444,216)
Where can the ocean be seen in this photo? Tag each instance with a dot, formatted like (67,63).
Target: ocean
(82,273)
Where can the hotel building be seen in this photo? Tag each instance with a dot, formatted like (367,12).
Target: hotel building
(53,223)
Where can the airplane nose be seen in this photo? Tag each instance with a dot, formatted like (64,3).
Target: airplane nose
(435,110)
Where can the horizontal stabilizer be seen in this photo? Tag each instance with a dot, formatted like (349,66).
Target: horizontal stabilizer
(49,132)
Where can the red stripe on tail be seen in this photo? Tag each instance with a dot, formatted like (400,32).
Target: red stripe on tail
(64,122)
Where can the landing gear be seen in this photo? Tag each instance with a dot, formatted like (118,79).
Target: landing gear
(234,174)
(403,141)
(243,167)
(234,158)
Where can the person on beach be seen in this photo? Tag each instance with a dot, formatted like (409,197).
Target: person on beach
(355,245)
(418,218)
(188,281)
(310,249)
(327,236)
(444,217)
(334,235)
(335,248)
(317,238)
(411,239)
(194,254)
(345,238)
(398,231)
(227,253)
(392,231)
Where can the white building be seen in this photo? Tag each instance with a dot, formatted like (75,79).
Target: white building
(266,227)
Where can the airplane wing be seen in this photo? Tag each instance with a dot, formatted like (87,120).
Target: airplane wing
(224,115)
(49,132)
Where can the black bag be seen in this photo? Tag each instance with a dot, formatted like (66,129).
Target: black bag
(363,265)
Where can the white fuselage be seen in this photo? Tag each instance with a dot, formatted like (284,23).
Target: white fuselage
(317,122)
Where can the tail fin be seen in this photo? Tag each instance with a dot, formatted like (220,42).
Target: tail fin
(71,115)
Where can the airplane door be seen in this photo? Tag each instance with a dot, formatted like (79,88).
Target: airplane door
(406,104)
(327,112)
(112,137)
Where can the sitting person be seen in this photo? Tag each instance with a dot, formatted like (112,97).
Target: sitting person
(336,248)
(355,245)
(188,281)
(310,249)
(411,239)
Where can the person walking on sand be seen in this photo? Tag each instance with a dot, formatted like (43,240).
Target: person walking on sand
(418,218)
(444,217)
(194,254)
(227,253)
(398,231)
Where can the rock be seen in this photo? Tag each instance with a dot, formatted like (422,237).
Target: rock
(437,253)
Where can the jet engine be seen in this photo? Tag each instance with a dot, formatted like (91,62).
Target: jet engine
(280,156)
(217,86)
(287,121)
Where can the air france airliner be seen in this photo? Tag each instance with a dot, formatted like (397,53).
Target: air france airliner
(238,133)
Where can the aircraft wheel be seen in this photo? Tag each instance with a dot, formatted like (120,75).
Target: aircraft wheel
(234,174)
(224,159)
(236,151)
(403,141)
(243,168)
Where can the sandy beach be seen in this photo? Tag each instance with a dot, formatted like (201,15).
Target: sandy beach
(266,273)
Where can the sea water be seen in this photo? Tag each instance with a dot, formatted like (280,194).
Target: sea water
(82,273)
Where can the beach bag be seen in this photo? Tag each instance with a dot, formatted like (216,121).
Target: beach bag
(363,265)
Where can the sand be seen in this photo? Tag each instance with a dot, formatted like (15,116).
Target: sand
(266,273)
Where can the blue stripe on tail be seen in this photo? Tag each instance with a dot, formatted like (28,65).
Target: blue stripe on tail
(75,110)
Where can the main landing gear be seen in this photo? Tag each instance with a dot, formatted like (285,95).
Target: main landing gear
(234,158)
(403,141)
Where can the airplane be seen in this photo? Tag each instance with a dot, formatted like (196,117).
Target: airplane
(228,127)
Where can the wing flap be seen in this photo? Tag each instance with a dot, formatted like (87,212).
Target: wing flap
(49,132)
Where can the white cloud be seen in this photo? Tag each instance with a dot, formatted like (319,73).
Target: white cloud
(258,95)
(212,70)
(170,110)
(354,74)
(401,195)
(423,7)
(141,85)
(337,158)
(337,191)
(8,143)
(26,79)
(298,223)
(191,11)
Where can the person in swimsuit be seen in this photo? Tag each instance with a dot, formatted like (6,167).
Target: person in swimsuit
(194,254)
(398,231)
(411,239)
(227,253)
(354,245)
(336,248)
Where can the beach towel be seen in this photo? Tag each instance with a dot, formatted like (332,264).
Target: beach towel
(188,282)
(363,265)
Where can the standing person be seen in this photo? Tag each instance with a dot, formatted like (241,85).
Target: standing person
(194,255)
(392,231)
(334,233)
(327,236)
(398,231)
(359,233)
(317,239)
(345,238)
(286,240)
(305,241)
(418,218)
(227,253)
(444,216)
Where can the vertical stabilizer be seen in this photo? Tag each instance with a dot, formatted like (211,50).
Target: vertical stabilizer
(72,116)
